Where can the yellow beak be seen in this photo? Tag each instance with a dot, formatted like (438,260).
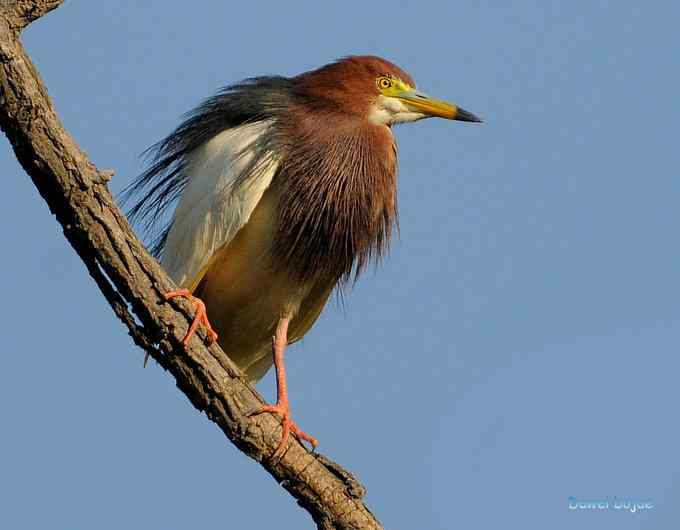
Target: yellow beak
(418,101)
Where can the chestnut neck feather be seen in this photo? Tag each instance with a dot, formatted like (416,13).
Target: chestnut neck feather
(337,194)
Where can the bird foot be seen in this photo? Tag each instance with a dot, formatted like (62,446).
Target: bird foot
(201,316)
(287,426)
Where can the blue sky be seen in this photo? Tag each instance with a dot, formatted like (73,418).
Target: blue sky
(518,347)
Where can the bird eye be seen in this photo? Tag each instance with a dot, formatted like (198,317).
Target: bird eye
(384,82)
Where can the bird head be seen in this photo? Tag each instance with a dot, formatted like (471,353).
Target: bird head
(374,89)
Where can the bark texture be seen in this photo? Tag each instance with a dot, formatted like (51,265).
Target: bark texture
(133,283)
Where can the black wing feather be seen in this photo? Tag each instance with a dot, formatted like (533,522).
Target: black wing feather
(153,192)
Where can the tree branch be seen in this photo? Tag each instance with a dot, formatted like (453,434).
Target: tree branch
(133,283)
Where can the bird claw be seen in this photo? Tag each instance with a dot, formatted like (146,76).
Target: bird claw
(201,316)
(287,426)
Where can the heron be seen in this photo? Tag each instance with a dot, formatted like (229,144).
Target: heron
(284,189)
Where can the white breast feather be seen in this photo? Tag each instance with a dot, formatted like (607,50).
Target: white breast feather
(217,200)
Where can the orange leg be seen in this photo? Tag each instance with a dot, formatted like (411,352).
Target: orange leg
(201,316)
(282,407)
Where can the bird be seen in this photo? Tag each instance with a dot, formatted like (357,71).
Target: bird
(284,189)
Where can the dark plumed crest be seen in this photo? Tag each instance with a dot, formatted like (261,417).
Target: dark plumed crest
(151,194)
(353,68)
(346,85)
